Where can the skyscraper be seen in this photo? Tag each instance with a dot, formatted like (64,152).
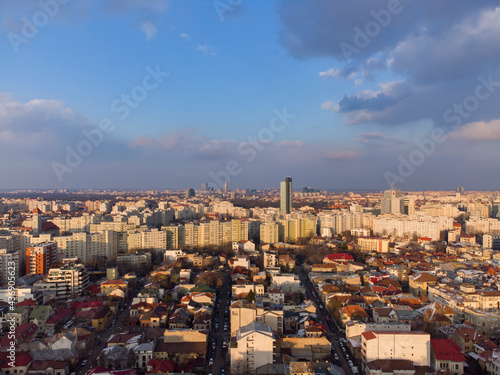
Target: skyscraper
(286,195)
(189,193)
(226,187)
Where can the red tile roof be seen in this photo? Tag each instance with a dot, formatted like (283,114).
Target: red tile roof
(447,350)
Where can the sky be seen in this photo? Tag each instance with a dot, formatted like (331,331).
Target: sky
(169,94)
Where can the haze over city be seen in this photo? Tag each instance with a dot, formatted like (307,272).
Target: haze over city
(160,94)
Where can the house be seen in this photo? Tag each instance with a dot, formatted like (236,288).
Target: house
(446,355)
(22,362)
(39,316)
(338,258)
(353,312)
(466,338)
(23,333)
(58,319)
(49,368)
(385,315)
(286,261)
(143,354)
(277,296)
(109,286)
(180,352)
(419,283)
(101,318)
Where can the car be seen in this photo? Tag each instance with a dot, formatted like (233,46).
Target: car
(211,362)
(350,363)
(84,362)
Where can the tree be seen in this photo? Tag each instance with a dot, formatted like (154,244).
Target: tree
(250,296)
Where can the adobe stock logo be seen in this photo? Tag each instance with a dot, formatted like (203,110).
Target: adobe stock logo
(31,26)
(364,36)
(455,116)
(253,145)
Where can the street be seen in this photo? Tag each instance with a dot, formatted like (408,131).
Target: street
(332,331)
(218,336)
(104,335)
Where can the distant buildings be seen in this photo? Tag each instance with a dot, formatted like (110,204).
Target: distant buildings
(392,202)
(190,193)
(286,192)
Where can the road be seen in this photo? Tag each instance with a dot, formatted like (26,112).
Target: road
(219,335)
(333,333)
(105,335)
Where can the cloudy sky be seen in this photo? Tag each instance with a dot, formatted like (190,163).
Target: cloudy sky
(172,93)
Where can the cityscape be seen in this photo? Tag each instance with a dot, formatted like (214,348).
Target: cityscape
(287,187)
(246,281)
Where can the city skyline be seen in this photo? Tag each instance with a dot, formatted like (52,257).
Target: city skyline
(163,94)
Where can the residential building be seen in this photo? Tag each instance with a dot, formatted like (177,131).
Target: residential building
(251,348)
(40,258)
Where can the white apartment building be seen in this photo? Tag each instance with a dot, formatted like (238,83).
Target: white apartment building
(408,226)
(86,246)
(9,266)
(414,346)
(251,348)
(66,281)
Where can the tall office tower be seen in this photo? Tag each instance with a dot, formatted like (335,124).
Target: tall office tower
(204,186)
(37,221)
(460,190)
(409,206)
(40,258)
(286,195)
(226,187)
(392,202)
(189,193)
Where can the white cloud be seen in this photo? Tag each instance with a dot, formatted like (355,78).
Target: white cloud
(206,49)
(149,30)
(478,131)
(331,73)
(185,36)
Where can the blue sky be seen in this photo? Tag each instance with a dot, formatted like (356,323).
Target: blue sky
(361,121)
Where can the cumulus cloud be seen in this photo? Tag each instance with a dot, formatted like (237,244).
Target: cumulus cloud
(437,56)
(36,116)
(367,101)
(478,131)
(185,36)
(347,73)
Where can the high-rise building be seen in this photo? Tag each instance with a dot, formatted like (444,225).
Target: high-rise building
(226,187)
(461,190)
(286,193)
(9,266)
(409,206)
(204,186)
(189,193)
(392,202)
(40,258)
(68,280)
